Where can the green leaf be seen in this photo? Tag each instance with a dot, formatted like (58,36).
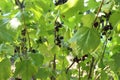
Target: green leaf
(115,18)
(92,4)
(88,20)
(43,73)
(5,69)
(107,6)
(104,75)
(72,7)
(37,59)
(7,49)
(87,39)
(25,69)
(6,5)
(115,63)
(6,33)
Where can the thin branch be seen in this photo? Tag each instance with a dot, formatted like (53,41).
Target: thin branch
(105,45)
(79,71)
(99,9)
(91,67)
(54,63)
(24,23)
(69,67)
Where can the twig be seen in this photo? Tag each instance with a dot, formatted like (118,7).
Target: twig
(79,71)
(24,23)
(77,61)
(69,67)
(105,45)
(99,9)
(54,63)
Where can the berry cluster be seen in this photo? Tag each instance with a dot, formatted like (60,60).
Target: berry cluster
(41,40)
(59,2)
(58,38)
(81,59)
(105,27)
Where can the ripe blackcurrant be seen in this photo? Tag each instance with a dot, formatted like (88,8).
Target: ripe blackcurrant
(95,24)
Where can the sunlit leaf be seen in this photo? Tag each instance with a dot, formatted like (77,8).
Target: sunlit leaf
(88,20)
(87,39)
(114,18)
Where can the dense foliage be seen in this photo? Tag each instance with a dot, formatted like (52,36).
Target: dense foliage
(60,39)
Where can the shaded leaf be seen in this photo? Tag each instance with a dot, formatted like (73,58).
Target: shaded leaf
(5,69)
(37,59)
(43,73)
(25,69)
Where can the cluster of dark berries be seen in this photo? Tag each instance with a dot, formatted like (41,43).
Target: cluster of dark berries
(59,2)
(58,40)
(106,26)
(81,59)
(41,40)
(106,29)
(58,25)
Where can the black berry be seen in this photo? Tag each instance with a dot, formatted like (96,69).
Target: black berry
(95,24)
